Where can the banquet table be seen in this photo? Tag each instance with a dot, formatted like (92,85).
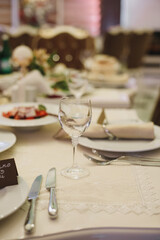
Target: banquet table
(16,90)
(111,196)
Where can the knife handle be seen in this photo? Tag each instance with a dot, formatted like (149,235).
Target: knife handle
(53,207)
(30,219)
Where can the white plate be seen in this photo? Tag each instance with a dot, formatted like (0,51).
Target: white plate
(123,145)
(12,198)
(28,124)
(7,140)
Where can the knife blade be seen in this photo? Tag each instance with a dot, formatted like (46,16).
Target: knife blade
(32,196)
(51,185)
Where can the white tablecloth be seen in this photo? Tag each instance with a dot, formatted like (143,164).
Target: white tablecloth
(118,196)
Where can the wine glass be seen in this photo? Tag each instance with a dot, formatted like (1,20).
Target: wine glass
(77,83)
(77,86)
(74,116)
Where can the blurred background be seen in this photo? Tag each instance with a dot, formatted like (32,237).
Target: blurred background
(95,16)
(110,43)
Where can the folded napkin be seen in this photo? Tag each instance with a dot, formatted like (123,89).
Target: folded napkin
(8,80)
(34,79)
(109,98)
(123,123)
(139,130)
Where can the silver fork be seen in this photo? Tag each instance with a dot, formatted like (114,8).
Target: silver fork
(123,156)
(121,160)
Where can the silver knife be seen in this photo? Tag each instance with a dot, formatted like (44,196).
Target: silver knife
(32,196)
(51,185)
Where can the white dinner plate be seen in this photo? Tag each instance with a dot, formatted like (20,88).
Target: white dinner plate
(28,124)
(123,145)
(12,198)
(7,140)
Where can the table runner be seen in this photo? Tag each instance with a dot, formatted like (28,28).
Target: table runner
(118,188)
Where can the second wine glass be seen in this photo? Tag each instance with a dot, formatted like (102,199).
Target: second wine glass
(77,83)
(75,117)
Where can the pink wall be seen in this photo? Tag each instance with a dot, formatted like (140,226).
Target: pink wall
(141,14)
(84,14)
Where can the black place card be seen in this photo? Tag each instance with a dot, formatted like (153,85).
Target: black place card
(8,173)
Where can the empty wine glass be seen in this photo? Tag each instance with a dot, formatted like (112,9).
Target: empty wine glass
(74,116)
(77,83)
(77,87)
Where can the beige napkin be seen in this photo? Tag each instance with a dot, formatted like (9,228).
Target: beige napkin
(125,131)
(109,98)
(140,130)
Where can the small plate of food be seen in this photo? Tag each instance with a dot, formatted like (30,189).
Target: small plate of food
(28,115)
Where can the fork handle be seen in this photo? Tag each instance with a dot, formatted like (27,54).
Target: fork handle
(138,162)
(128,156)
(141,158)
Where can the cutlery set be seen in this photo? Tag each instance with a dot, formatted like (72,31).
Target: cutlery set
(100,159)
(33,195)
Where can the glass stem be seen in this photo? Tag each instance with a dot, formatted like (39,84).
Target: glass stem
(74,144)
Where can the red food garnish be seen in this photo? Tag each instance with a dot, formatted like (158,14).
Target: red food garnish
(25,113)
(54,96)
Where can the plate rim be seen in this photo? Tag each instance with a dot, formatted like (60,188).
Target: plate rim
(21,182)
(13,140)
(129,151)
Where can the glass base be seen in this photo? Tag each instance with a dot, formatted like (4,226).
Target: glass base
(75,173)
